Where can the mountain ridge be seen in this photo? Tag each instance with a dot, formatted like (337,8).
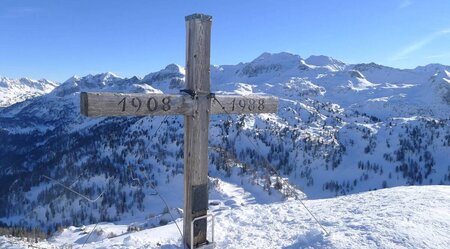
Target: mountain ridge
(339,130)
(17,90)
(265,58)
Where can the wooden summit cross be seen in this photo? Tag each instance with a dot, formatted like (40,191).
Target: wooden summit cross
(196,104)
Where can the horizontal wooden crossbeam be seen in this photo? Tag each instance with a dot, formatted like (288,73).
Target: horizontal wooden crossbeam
(239,104)
(97,104)
(133,104)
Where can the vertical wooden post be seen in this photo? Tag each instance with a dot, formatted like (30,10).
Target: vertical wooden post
(198,41)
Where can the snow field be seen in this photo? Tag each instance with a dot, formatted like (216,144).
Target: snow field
(401,217)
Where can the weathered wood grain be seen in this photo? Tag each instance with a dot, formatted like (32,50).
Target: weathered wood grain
(198,39)
(136,104)
(133,104)
(237,104)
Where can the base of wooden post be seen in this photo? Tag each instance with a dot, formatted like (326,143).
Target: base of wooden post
(210,245)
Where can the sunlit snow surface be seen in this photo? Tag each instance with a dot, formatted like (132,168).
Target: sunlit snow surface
(325,106)
(14,91)
(401,217)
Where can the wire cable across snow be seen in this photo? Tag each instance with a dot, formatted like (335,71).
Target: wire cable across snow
(153,185)
(73,191)
(274,171)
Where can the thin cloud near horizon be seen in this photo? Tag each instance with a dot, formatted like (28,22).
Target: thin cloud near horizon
(20,12)
(405,3)
(408,50)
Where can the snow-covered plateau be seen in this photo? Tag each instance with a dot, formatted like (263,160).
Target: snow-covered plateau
(400,217)
(342,132)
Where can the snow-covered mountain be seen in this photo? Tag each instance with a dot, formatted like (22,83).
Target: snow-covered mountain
(14,91)
(340,129)
(401,217)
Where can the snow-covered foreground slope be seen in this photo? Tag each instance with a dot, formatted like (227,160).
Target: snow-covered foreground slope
(14,91)
(401,217)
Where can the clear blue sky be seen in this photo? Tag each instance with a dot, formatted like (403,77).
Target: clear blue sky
(57,39)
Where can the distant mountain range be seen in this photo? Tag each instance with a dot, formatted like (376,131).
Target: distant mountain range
(14,91)
(341,128)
